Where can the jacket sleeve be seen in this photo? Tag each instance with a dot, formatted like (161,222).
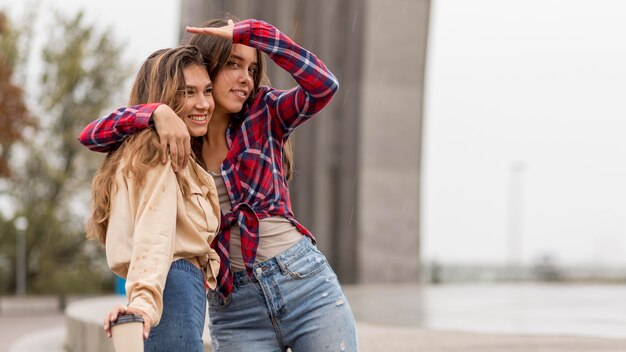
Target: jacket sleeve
(316,84)
(153,240)
(108,132)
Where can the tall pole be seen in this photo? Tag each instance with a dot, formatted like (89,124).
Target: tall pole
(515,215)
(21,224)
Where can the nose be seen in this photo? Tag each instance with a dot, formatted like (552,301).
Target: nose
(204,102)
(245,77)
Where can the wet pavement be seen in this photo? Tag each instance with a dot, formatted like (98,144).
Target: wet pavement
(490,317)
(535,309)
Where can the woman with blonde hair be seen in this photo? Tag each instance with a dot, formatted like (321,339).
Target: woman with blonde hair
(157,225)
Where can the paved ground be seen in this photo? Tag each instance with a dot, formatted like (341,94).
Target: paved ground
(385,338)
(529,309)
(20,317)
(447,318)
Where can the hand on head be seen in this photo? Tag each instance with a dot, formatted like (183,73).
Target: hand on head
(225,32)
(120,310)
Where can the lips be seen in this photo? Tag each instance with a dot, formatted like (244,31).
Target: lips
(197,118)
(242,93)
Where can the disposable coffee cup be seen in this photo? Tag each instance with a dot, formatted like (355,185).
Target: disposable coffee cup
(127,333)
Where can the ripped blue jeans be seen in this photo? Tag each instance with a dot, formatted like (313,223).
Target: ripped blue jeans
(294,301)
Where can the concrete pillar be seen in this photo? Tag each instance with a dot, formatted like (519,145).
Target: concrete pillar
(357,163)
(395,34)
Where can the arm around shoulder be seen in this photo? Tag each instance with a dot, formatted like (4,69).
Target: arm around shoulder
(107,133)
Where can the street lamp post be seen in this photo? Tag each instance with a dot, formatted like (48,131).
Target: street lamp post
(21,224)
(515,250)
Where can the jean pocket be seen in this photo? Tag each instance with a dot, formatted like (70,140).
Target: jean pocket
(216,302)
(307,265)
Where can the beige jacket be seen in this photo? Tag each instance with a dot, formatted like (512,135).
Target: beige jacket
(153,225)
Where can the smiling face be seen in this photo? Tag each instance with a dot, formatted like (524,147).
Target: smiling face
(197,100)
(235,80)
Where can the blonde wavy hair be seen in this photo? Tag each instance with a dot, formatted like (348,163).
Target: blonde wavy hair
(159,80)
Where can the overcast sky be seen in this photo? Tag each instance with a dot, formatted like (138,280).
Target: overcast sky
(143,26)
(541,83)
(524,122)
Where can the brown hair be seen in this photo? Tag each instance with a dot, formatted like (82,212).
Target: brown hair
(159,80)
(216,51)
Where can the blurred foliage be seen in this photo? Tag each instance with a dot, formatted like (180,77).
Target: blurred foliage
(82,74)
(15,118)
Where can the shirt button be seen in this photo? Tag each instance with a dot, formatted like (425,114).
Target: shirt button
(259,271)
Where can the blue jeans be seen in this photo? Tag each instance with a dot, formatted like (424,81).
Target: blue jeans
(184,308)
(294,301)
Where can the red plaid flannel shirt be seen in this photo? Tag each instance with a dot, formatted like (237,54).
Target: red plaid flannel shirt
(253,169)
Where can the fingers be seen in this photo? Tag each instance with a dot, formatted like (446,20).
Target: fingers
(187,148)
(199,30)
(147,322)
(111,317)
(117,311)
(107,326)
(220,32)
(163,151)
(174,155)
(146,329)
(225,32)
(174,137)
(179,155)
(179,151)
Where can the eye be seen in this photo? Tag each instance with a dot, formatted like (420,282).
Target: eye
(253,71)
(185,92)
(232,64)
(208,91)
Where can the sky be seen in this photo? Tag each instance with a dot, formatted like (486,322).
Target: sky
(142,26)
(524,132)
(523,122)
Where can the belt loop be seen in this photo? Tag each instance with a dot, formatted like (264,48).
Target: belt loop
(281,265)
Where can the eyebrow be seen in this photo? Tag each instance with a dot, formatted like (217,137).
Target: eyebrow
(237,57)
(210,85)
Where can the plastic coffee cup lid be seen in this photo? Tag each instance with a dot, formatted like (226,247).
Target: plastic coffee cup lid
(127,318)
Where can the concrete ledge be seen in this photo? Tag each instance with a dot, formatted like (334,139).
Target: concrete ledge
(51,340)
(84,324)
(84,320)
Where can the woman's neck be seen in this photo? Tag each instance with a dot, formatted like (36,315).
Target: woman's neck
(216,134)
(215,146)
(218,125)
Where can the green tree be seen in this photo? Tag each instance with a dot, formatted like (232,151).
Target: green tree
(82,74)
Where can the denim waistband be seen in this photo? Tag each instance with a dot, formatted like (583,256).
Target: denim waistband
(274,264)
